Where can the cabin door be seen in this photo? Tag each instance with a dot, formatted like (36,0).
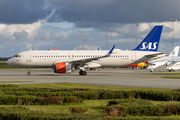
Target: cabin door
(28,56)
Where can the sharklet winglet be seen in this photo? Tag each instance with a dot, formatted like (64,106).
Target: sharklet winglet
(111,50)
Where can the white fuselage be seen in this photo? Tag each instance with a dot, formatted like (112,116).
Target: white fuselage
(47,58)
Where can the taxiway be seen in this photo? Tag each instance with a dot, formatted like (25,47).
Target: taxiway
(111,77)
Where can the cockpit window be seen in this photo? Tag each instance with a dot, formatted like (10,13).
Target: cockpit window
(17,56)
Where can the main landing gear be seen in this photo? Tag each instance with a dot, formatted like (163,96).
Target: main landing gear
(171,70)
(82,72)
(29,72)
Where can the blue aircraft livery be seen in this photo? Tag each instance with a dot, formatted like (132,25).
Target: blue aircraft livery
(151,41)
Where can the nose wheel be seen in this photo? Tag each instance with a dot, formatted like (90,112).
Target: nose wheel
(29,72)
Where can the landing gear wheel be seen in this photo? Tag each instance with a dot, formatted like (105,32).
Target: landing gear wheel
(28,73)
(169,70)
(151,70)
(82,73)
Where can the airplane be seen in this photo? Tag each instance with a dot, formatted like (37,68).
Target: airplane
(175,66)
(67,61)
(164,61)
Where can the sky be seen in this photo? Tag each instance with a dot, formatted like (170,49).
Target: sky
(55,24)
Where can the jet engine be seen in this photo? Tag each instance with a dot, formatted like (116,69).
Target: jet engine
(64,68)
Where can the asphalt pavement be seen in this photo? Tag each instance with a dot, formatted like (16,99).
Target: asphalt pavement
(111,77)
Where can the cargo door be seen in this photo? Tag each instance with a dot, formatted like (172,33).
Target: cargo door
(133,56)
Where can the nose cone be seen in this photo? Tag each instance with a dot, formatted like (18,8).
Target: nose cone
(9,62)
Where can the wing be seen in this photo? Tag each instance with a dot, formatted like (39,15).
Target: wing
(86,60)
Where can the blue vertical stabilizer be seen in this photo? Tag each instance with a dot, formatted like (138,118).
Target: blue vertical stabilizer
(151,41)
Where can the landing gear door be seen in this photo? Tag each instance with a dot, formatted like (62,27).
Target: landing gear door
(28,56)
(133,56)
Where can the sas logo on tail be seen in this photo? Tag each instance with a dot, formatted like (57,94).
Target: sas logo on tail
(149,46)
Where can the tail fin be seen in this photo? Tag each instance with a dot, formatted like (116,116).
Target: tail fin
(151,41)
(175,51)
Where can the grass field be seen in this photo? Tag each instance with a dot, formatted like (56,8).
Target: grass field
(93,106)
(164,73)
(172,77)
(14,81)
(3,61)
(75,85)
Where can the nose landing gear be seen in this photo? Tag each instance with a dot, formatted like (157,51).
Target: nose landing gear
(29,72)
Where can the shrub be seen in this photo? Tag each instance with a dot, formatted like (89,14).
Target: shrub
(72,99)
(77,110)
(170,109)
(86,95)
(52,100)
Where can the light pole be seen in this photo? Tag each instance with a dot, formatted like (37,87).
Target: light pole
(173,31)
(136,34)
(107,37)
(82,38)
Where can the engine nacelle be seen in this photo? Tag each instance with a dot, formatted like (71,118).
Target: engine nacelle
(64,68)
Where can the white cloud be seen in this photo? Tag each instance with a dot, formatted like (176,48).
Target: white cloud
(113,34)
(123,40)
(60,35)
(8,30)
(124,29)
(86,47)
(28,46)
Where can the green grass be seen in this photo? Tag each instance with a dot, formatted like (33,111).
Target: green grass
(93,106)
(164,102)
(14,81)
(76,85)
(3,61)
(172,77)
(9,67)
(164,73)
